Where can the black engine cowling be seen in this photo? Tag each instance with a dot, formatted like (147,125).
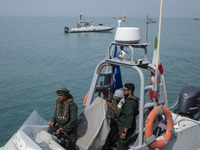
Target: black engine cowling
(66,29)
(189,101)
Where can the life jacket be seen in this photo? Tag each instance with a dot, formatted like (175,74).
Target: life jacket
(62,116)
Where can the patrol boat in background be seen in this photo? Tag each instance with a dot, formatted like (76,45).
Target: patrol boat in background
(157,126)
(85,26)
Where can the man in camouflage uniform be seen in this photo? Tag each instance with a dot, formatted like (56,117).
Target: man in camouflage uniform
(115,109)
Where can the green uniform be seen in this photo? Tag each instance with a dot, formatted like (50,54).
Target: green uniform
(70,127)
(127,119)
(115,113)
(114,125)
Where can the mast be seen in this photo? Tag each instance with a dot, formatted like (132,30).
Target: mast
(158,49)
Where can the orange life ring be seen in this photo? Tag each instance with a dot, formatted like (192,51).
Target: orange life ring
(104,91)
(150,138)
(85,98)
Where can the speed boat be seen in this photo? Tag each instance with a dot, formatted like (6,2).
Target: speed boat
(85,26)
(159,126)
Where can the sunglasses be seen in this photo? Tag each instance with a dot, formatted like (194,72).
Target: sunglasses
(60,93)
(125,90)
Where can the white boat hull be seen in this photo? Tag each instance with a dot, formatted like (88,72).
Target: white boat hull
(186,133)
(36,137)
(91,29)
(32,137)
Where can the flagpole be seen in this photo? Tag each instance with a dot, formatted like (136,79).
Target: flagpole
(166,104)
(158,48)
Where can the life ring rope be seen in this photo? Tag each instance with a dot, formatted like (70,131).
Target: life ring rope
(151,139)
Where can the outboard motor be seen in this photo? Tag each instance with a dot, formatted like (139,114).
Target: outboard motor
(189,101)
(66,29)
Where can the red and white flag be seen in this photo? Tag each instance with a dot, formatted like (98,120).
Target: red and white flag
(161,90)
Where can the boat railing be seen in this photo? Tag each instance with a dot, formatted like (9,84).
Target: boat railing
(132,61)
(132,64)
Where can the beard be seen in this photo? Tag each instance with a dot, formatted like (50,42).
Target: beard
(61,99)
(126,96)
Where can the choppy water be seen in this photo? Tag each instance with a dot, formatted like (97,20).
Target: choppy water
(37,58)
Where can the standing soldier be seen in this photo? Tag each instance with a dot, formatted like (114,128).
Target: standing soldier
(127,117)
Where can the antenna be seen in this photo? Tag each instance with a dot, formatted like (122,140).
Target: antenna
(149,20)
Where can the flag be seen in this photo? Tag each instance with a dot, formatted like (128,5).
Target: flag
(117,75)
(161,92)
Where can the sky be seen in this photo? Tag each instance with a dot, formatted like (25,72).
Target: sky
(100,8)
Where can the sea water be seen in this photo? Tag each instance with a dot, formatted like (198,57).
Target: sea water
(37,58)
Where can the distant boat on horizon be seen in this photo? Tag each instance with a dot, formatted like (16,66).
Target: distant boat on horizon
(117,17)
(85,26)
(196,18)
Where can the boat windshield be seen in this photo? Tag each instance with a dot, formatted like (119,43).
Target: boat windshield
(35,119)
